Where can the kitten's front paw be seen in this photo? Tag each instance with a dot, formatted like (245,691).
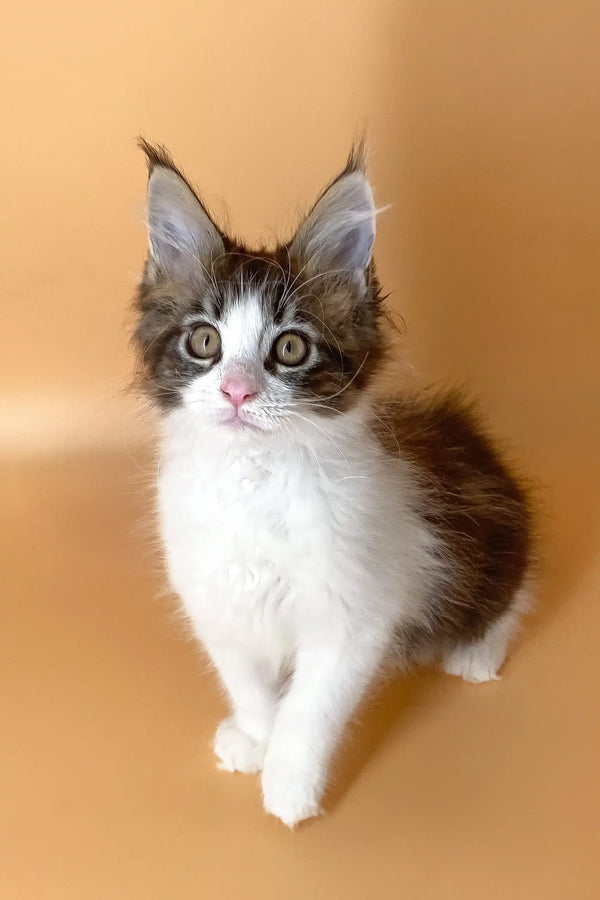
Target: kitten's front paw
(290,795)
(237,751)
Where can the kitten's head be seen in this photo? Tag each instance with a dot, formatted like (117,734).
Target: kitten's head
(264,340)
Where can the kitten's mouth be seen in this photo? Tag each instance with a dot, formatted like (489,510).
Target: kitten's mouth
(236,423)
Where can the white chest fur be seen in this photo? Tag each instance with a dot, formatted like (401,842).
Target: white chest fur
(266,539)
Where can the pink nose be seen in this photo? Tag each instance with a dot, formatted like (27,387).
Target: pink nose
(239,390)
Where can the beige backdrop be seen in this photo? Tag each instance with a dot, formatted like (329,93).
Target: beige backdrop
(484,122)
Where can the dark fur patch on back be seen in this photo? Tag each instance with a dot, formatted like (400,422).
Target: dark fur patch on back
(474,505)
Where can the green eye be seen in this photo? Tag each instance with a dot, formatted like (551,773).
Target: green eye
(204,342)
(290,349)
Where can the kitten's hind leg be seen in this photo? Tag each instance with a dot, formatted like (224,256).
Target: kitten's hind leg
(481,660)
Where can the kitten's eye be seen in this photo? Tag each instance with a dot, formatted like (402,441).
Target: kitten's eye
(290,349)
(204,342)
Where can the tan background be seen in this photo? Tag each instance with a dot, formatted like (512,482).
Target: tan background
(484,121)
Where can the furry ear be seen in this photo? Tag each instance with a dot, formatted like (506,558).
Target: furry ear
(339,232)
(180,231)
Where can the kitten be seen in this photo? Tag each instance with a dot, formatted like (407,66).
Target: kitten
(313,533)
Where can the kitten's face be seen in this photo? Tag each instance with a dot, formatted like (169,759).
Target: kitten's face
(258,342)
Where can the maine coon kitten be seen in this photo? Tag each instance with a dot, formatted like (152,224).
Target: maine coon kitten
(312,532)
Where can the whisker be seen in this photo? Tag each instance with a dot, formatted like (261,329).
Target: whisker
(322,430)
(347,385)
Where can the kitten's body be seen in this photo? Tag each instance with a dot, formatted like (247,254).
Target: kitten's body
(322,535)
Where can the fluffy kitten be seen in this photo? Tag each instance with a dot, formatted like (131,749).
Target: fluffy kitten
(312,532)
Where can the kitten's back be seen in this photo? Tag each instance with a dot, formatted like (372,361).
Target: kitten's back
(474,504)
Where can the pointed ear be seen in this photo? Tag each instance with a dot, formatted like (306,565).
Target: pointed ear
(180,231)
(339,232)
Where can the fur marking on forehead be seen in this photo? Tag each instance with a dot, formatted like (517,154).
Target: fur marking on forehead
(243,327)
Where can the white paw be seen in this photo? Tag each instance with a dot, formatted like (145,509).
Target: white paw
(472,663)
(290,795)
(237,751)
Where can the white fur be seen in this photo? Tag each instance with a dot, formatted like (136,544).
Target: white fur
(296,547)
(291,548)
(481,660)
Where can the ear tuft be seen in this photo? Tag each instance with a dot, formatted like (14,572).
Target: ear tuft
(158,155)
(357,158)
